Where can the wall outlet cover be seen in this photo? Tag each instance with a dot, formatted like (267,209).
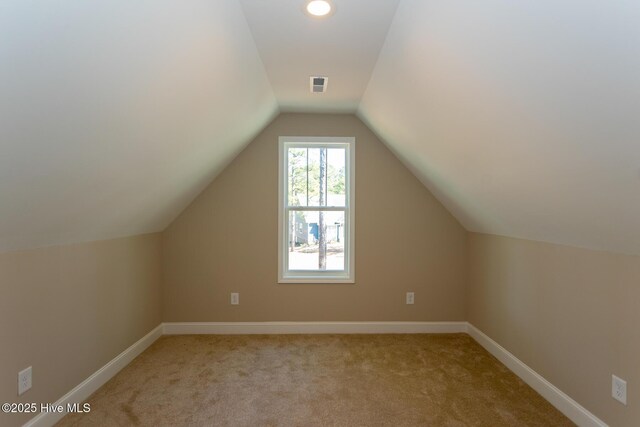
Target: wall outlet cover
(410,297)
(619,389)
(235,298)
(24,380)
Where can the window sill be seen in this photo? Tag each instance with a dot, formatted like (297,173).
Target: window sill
(316,280)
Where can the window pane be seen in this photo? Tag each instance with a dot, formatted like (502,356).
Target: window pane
(336,182)
(314,177)
(316,240)
(297,176)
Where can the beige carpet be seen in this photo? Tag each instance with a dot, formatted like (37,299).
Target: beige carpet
(317,380)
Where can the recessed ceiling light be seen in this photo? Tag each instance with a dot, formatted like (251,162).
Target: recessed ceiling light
(319,7)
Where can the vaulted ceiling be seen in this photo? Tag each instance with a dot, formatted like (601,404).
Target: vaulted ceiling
(521,117)
(343,47)
(115,114)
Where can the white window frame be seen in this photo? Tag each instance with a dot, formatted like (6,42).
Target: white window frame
(316,276)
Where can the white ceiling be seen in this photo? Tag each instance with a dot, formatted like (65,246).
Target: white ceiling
(521,117)
(294,46)
(115,114)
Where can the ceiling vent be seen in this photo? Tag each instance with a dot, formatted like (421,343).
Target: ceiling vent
(318,84)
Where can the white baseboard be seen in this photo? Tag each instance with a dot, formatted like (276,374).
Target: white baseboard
(241,328)
(565,404)
(83,390)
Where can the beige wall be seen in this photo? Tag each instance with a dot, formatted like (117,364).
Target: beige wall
(226,241)
(570,314)
(68,310)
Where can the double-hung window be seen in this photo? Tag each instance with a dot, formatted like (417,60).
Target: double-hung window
(316,211)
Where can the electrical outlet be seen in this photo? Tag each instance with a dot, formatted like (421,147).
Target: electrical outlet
(619,389)
(410,297)
(24,380)
(235,298)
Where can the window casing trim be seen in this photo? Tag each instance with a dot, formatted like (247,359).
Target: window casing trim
(329,276)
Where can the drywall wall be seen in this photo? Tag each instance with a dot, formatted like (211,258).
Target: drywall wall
(68,310)
(226,241)
(570,314)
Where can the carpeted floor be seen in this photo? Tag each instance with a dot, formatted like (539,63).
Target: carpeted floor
(316,380)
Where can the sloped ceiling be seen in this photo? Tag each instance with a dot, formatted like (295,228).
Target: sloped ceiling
(523,117)
(115,114)
(343,47)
